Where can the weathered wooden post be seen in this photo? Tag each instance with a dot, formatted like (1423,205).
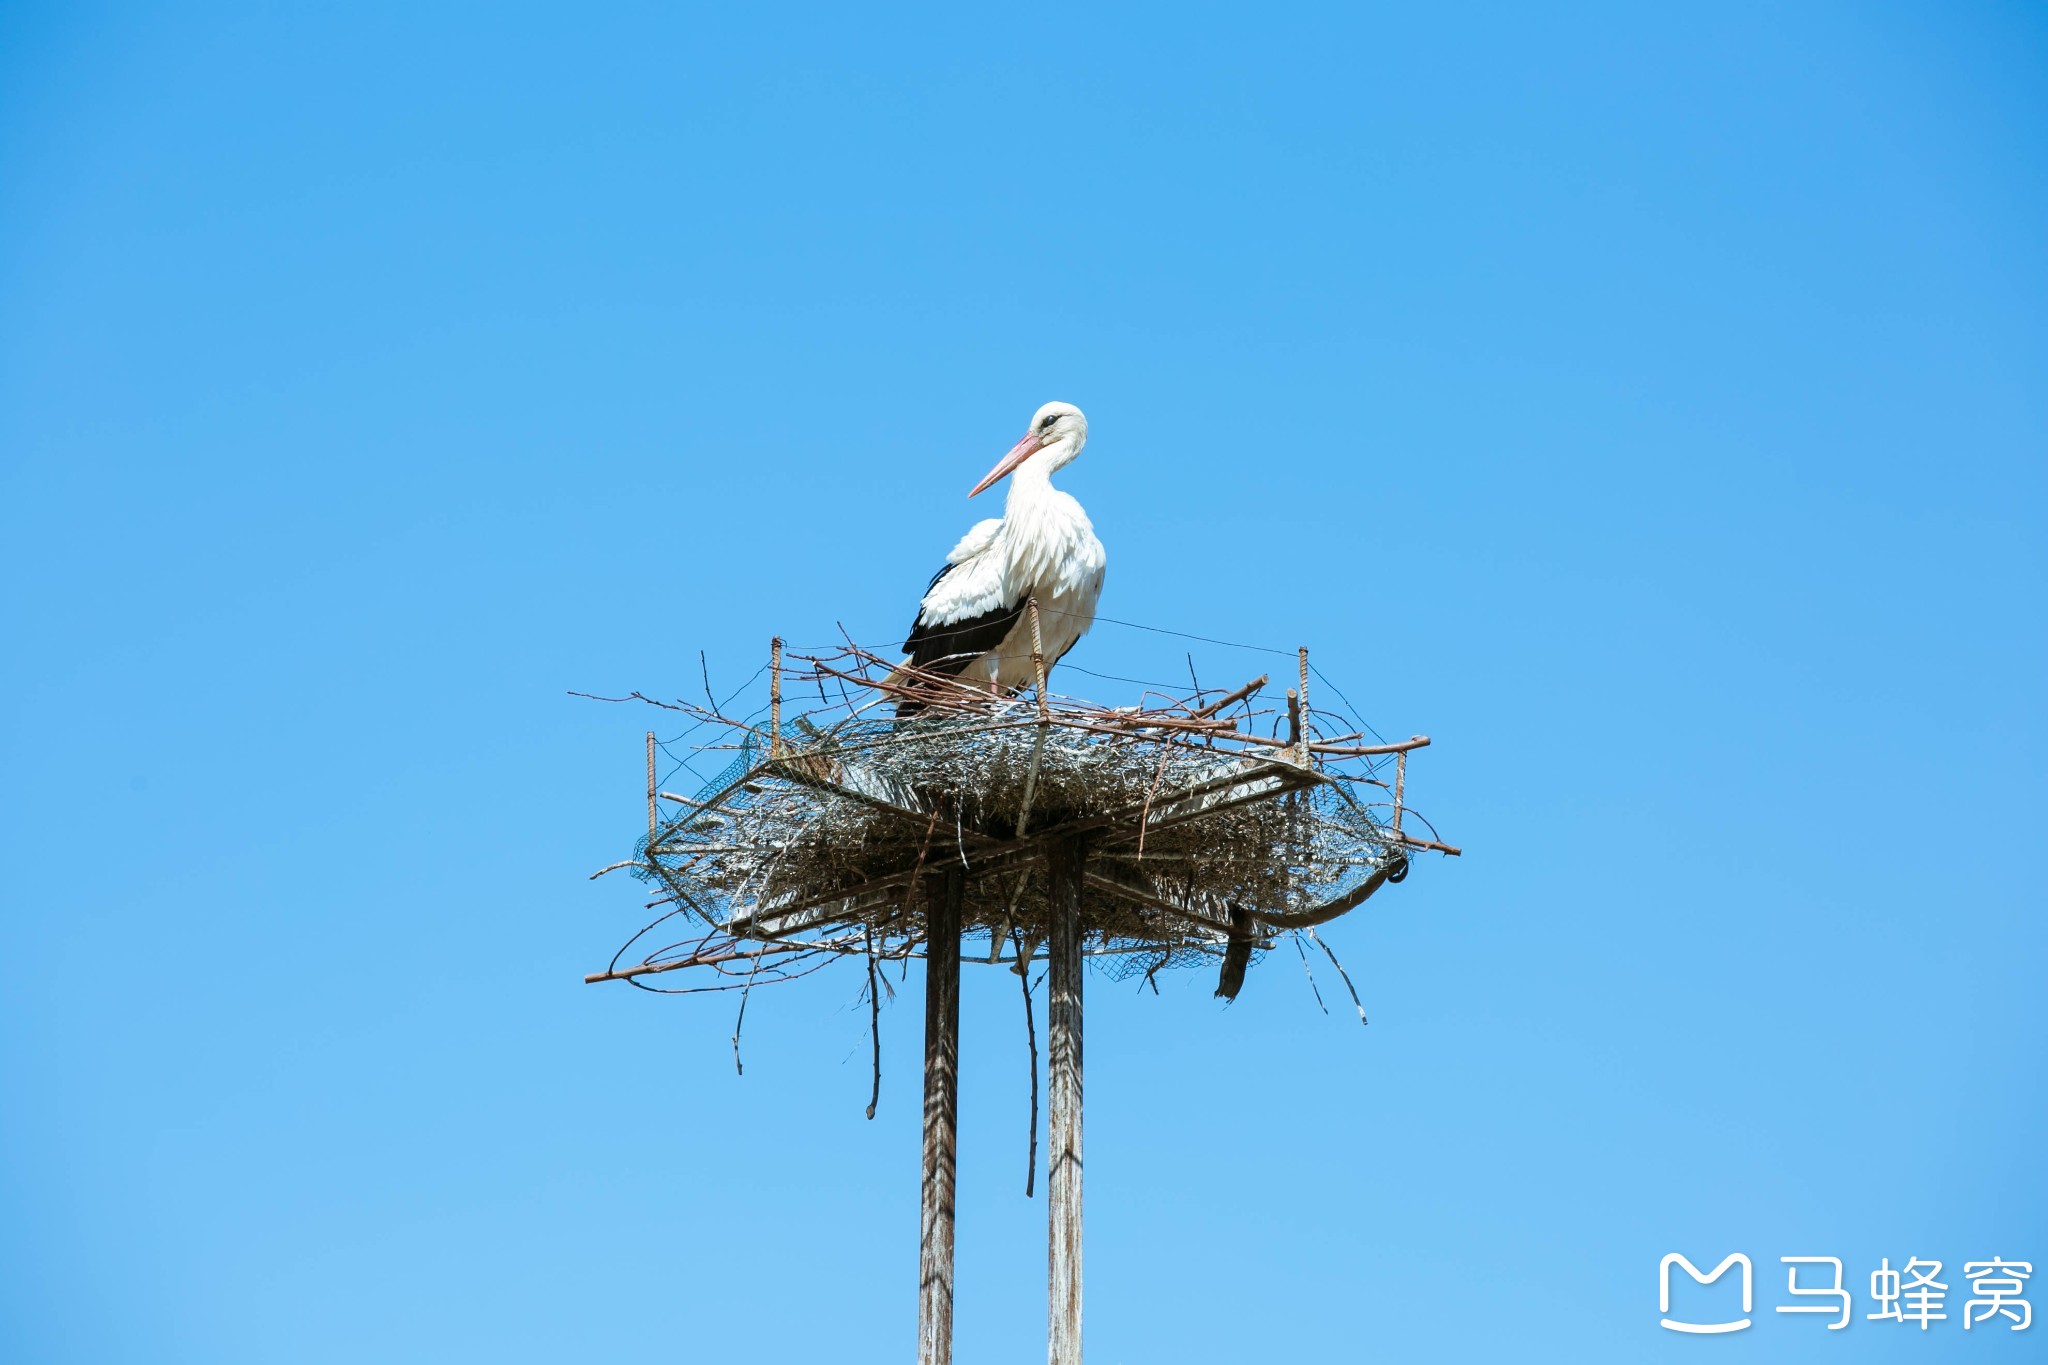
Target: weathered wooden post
(775,697)
(1064,864)
(941,1120)
(1400,786)
(1301,709)
(1038,662)
(653,807)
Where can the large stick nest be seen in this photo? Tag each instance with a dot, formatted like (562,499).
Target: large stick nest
(1204,838)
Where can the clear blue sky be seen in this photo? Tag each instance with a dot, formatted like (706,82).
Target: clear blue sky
(1651,406)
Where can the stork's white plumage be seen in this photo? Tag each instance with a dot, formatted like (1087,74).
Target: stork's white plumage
(972,620)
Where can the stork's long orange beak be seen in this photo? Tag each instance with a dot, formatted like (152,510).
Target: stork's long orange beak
(1019,453)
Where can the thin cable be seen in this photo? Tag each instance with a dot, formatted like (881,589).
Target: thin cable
(1205,639)
(1112,677)
(1357,717)
(679,738)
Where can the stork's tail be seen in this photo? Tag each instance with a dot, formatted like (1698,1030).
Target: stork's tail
(912,677)
(901,681)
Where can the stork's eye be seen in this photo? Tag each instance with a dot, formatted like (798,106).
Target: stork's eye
(1046,425)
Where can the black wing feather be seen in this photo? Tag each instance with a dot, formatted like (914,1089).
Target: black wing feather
(950,648)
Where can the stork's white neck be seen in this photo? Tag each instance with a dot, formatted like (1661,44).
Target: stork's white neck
(1032,480)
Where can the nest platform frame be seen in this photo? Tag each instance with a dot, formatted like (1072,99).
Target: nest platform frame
(911,814)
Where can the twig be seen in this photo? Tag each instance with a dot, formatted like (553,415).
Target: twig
(910,893)
(1031,1036)
(637,696)
(741,1022)
(1249,689)
(1031,780)
(1145,815)
(874,1022)
(1340,972)
(1311,974)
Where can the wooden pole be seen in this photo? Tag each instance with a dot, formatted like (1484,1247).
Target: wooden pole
(1065,864)
(1400,786)
(1304,706)
(1038,659)
(775,697)
(653,808)
(941,1120)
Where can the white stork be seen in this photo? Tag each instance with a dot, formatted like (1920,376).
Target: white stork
(972,621)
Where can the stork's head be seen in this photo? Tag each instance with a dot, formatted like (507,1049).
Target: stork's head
(1055,437)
